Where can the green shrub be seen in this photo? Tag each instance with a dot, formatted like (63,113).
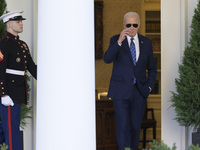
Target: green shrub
(162,146)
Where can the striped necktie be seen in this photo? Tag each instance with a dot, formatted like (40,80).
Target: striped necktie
(133,53)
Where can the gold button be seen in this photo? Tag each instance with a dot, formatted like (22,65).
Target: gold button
(26,48)
(1,82)
(25,61)
(2,88)
(21,46)
(13,80)
(2,92)
(18,42)
(24,51)
(24,56)
(15,38)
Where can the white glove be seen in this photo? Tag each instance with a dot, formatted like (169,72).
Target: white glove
(7,101)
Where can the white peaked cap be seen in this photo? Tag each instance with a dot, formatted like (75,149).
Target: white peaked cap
(15,15)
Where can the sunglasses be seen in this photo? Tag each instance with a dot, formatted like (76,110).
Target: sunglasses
(129,25)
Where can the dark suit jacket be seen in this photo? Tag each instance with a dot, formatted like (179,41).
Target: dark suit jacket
(124,69)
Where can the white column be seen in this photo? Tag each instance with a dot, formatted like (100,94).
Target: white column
(65,85)
(170,57)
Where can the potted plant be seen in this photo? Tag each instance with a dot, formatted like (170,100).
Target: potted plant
(25,109)
(2,26)
(162,146)
(186,99)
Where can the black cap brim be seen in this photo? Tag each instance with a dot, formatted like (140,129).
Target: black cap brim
(17,18)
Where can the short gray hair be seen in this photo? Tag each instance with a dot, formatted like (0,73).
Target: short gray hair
(131,14)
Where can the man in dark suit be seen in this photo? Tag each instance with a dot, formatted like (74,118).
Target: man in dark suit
(131,54)
(15,61)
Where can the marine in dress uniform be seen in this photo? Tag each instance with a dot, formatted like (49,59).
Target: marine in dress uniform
(15,61)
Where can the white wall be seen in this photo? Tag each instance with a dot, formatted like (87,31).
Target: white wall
(175,18)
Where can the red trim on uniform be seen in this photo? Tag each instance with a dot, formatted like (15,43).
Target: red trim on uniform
(9,128)
(1,56)
(24,45)
(3,38)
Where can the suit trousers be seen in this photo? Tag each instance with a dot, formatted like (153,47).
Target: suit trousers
(10,123)
(128,117)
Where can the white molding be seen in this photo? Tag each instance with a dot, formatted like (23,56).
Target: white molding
(35,33)
(170,57)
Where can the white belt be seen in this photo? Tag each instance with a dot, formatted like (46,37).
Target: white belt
(15,72)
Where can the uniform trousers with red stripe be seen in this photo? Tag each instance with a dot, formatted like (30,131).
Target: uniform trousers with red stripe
(10,126)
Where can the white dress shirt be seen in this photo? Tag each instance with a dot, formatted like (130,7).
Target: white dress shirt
(136,42)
